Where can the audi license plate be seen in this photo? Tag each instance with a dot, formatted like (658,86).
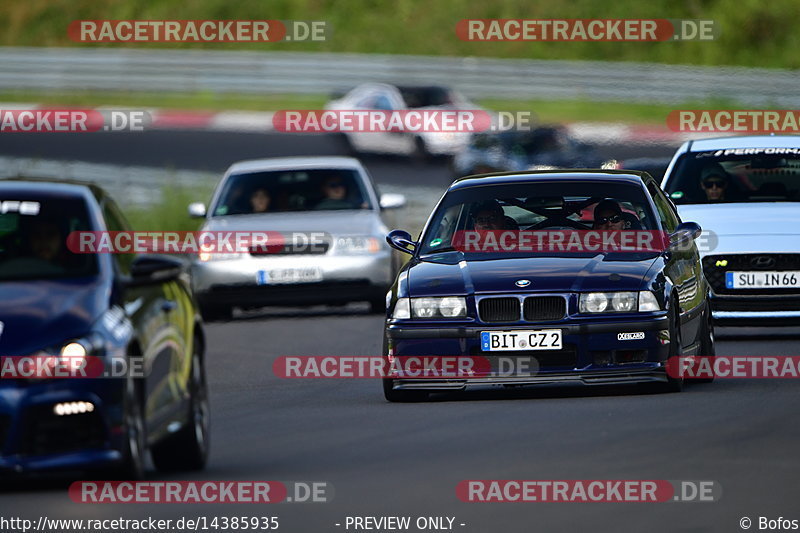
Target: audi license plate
(763,280)
(288,275)
(533,339)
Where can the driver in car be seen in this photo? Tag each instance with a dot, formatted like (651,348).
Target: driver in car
(489,216)
(608,216)
(714,182)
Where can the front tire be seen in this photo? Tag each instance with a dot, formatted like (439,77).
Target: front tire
(135,447)
(187,449)
(674,384)
(707,342)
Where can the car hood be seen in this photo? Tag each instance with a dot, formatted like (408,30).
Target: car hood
(745,227)
(340,222)
(42,314)
(445,274)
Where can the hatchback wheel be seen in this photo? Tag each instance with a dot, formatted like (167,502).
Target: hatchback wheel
(188,448)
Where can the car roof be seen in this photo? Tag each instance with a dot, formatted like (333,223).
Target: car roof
(51,187)
(285,163)
(510,178)
(745,141)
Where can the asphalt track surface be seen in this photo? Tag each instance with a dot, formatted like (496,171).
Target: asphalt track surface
(406,459)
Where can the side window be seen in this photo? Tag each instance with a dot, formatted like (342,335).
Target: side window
(383,103)
(116,222)
(669,219)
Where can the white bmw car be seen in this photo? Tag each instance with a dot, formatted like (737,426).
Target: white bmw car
(745,193)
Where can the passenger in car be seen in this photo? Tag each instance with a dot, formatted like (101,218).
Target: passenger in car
(260,200)
(489,215)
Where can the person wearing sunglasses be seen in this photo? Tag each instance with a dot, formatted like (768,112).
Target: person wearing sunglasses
(715,186)
(334,194)
(608,216)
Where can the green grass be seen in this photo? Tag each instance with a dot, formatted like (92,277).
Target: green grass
(170,212)
(201,101)
(752,32)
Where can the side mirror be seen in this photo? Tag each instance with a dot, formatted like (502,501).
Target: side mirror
(197,210)
(153,269)
(684,235)
(401,240)
(392,201)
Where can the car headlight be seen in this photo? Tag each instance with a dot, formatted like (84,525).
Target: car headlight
(73,349)
(211,256)
(617,302)
(446,307)
(357,245)
(402,309)
(648,302)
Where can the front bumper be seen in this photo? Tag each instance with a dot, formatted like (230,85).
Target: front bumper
(344,279)
(34,439)
(592,352)
(766,310)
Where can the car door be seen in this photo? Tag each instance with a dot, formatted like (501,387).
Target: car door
(683,268)
(152,310)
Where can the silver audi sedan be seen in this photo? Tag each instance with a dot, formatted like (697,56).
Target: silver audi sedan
(330,220)
(745,193)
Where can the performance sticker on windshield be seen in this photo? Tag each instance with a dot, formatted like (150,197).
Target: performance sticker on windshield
(748,151)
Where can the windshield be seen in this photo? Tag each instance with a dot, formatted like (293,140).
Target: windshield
(292,190)
(563,205)
(743,175)
(415,97)
(33,239)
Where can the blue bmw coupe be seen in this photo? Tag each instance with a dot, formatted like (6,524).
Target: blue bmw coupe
(579,315)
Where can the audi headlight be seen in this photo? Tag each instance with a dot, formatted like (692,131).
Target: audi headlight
(357,245)
(617,302)
(428,307)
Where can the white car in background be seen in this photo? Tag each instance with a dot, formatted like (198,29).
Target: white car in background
(385,97)
(745,193)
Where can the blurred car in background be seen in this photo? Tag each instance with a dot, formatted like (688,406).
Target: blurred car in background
(304,195)
(544,147)
(385,97)
(746,190)
(117,308)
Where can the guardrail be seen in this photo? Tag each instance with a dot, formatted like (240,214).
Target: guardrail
(321,73)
